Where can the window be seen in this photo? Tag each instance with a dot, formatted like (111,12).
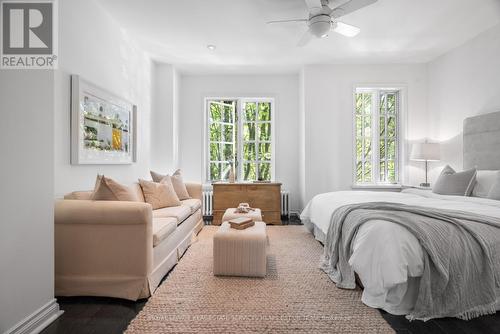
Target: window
(377,113)
(240,134)
(222,138)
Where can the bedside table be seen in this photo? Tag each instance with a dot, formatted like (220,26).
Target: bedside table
(415,187)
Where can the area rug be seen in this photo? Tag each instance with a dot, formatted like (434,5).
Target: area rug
(295,296)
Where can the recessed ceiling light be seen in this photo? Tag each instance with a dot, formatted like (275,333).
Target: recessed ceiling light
(211,47)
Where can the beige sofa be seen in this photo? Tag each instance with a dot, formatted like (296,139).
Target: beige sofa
(120,249)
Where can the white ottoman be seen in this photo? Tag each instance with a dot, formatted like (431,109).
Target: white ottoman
(230,213)
(240,252)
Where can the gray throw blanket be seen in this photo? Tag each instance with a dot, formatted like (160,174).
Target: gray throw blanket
(461,256)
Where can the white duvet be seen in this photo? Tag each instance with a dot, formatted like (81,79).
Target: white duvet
(387,258)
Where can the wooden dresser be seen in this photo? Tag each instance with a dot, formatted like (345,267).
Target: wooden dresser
(265,196)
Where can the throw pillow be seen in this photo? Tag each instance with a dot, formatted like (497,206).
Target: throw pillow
(179,186)
(495,189)
(159,194)
(107,189)
(157,177)
(177,182)
(450,182)
(484,181)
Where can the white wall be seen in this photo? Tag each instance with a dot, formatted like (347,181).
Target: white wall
(26,194)
(464,82)
(164,119)
(302,141)
(93,45)
(283,88)
(328,108)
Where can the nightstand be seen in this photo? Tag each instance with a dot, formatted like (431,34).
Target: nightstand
(415,187)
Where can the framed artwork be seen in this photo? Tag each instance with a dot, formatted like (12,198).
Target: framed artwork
(103,126)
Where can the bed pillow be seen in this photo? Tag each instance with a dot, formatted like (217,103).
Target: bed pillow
(177,182)
(450,182)
(495,189)
(484,182)
(107,189)
(159,194)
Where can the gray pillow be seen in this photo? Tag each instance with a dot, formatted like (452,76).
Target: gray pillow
(450,182)
(495,189)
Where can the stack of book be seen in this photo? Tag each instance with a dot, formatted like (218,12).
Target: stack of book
(241,223)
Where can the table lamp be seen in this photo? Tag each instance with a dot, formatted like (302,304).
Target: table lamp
(425,152)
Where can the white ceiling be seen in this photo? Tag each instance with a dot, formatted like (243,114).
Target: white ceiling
(392,31)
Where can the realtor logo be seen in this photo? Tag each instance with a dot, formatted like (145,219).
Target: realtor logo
(28,34)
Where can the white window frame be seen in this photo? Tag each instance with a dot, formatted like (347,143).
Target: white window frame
(222,142)
(239,141)
(401,118)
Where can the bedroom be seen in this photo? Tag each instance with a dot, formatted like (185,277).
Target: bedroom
(212,89)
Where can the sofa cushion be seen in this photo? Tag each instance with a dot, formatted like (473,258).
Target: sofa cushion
(193,203)
(107,189)
(162,228)
(159,195)
(180,212)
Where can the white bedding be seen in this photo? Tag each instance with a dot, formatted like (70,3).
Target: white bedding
(388,258)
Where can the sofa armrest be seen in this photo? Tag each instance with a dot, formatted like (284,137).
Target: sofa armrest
(103,248)
(102,212)
(194,190)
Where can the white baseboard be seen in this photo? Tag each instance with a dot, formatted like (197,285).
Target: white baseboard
(38,320)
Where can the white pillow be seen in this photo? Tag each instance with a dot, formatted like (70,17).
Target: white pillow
(495,189)
(484,182)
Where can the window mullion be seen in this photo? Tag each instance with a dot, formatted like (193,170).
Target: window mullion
(239,139)
(386,142)
(375,137)
(256,142)
(396,138)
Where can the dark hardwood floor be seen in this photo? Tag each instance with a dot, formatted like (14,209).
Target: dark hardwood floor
(92,315)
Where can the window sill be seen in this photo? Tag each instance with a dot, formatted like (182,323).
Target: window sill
(376,186)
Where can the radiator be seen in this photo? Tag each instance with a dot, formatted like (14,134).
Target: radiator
(207,202)
(208,195)
(284,203)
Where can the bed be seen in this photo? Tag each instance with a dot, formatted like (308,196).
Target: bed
(387,258)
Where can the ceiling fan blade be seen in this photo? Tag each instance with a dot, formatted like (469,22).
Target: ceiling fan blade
(314,6)
(306,38)
(350,7)
(346,29)
(286,21)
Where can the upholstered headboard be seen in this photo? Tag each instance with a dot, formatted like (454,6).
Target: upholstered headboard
(482,141)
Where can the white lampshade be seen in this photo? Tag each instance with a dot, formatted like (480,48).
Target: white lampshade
(425,152)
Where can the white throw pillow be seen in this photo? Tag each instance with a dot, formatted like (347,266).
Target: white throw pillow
(484,182)
(495,189)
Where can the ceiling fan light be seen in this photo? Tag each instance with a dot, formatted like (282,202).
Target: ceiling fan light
(346,29)
(320,28)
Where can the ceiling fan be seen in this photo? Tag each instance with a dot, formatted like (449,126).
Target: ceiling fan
(322,18)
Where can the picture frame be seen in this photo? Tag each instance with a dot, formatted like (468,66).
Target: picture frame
(103,126)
